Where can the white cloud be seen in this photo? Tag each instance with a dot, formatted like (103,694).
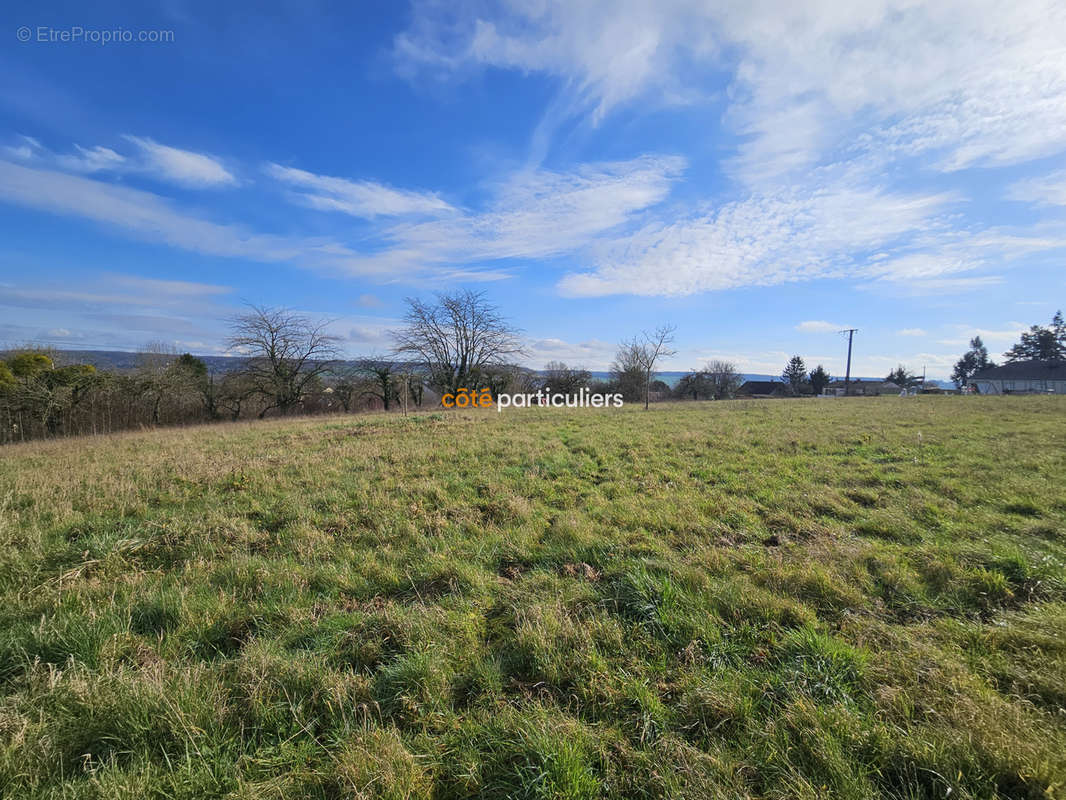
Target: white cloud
(966,83)
(91,159)
(183,167)
(969,82)
(26,149)
(829,100)
(591,354)
(606,53)
(1049,189)
(83,159)
(763,240)
(542,214)
(819,326)
(911,332)
(142,214)
(995,337)
(535,214)
(358,198)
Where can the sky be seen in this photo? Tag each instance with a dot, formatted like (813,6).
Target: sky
(760,174)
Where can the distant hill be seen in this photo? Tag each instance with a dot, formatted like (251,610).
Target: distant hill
(120,360)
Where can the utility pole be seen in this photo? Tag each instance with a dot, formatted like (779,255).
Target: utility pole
(847,373)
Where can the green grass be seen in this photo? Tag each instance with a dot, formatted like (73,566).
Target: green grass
(784,599)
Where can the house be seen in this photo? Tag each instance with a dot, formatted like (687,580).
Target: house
(762,389)
(861,388)
(1022,377)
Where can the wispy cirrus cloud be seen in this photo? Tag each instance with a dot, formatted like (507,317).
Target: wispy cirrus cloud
(138,213)
(996,337)
(24,148)
(148,157)
(762,240)
(184,167)
(826,102)
(967,83)
(605,54)
(91,159)
(531,214)
(1049,189)
(958,83)
(150,217)
(610,215)
(366,199)
(539,213)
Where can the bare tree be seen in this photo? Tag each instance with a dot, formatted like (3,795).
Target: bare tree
(408,387)
(348,384)
(380,379)
(695,384)
(638,357)
(722,378)
(233,390)
(457,338)
(565,380)
(286,354)
(154,376)
(627,371)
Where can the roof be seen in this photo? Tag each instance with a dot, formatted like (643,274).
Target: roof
(760,387)
(1025,370)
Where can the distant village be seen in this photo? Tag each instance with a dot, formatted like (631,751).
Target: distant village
(1036,364)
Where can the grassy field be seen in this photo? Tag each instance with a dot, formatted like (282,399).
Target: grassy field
(753,599)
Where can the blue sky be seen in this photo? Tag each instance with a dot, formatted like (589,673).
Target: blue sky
(758,174)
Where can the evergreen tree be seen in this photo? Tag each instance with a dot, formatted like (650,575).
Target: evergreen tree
(1041,343)
(903,377)
(795,375)
(819,379)
(973,361)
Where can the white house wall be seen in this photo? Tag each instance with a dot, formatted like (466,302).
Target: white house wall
(1009,386)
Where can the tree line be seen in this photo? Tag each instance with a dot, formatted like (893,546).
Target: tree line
(286,364)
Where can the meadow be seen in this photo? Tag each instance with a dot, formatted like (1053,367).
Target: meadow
(768,599)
